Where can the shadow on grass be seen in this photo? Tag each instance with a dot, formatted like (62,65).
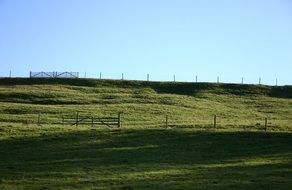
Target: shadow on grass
(148,159)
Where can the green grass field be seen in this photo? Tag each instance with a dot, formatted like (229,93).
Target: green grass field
(143,154)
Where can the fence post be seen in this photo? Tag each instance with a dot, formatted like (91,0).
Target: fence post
(92,121)
(266,124)
(122,76)
(276,82)
(260,81)
(215,121)
(77,118)
(119,120)
(147,77)
(39,115)
(217,79)
(166,121)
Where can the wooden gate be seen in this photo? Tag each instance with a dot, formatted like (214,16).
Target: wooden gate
(107,121)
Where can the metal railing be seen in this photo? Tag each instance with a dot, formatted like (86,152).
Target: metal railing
(53,74)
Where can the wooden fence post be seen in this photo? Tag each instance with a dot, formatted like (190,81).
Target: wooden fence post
(166,121)
(77,118)
(119,120)
(92,121)
(39,122)
(266,124)
(215,121)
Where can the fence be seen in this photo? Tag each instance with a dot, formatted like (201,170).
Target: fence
(90,120)
(195,78)
(53,74)
(222,123)
(165,121)
(213,123)
(86,120)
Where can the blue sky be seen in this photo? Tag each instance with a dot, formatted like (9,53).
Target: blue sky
(207,38)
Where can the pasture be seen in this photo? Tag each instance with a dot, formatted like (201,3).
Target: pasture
(143,153)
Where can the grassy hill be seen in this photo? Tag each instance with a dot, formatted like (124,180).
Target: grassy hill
(145,104)
(190,154)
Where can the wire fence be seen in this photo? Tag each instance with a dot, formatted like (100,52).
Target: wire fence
(148,77)
(159,121)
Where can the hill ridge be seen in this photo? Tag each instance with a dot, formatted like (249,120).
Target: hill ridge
(181,88)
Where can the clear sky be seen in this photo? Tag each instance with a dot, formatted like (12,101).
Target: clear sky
(207,38)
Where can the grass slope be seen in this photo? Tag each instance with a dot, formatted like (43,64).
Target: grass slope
(146,103)
(143,154)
